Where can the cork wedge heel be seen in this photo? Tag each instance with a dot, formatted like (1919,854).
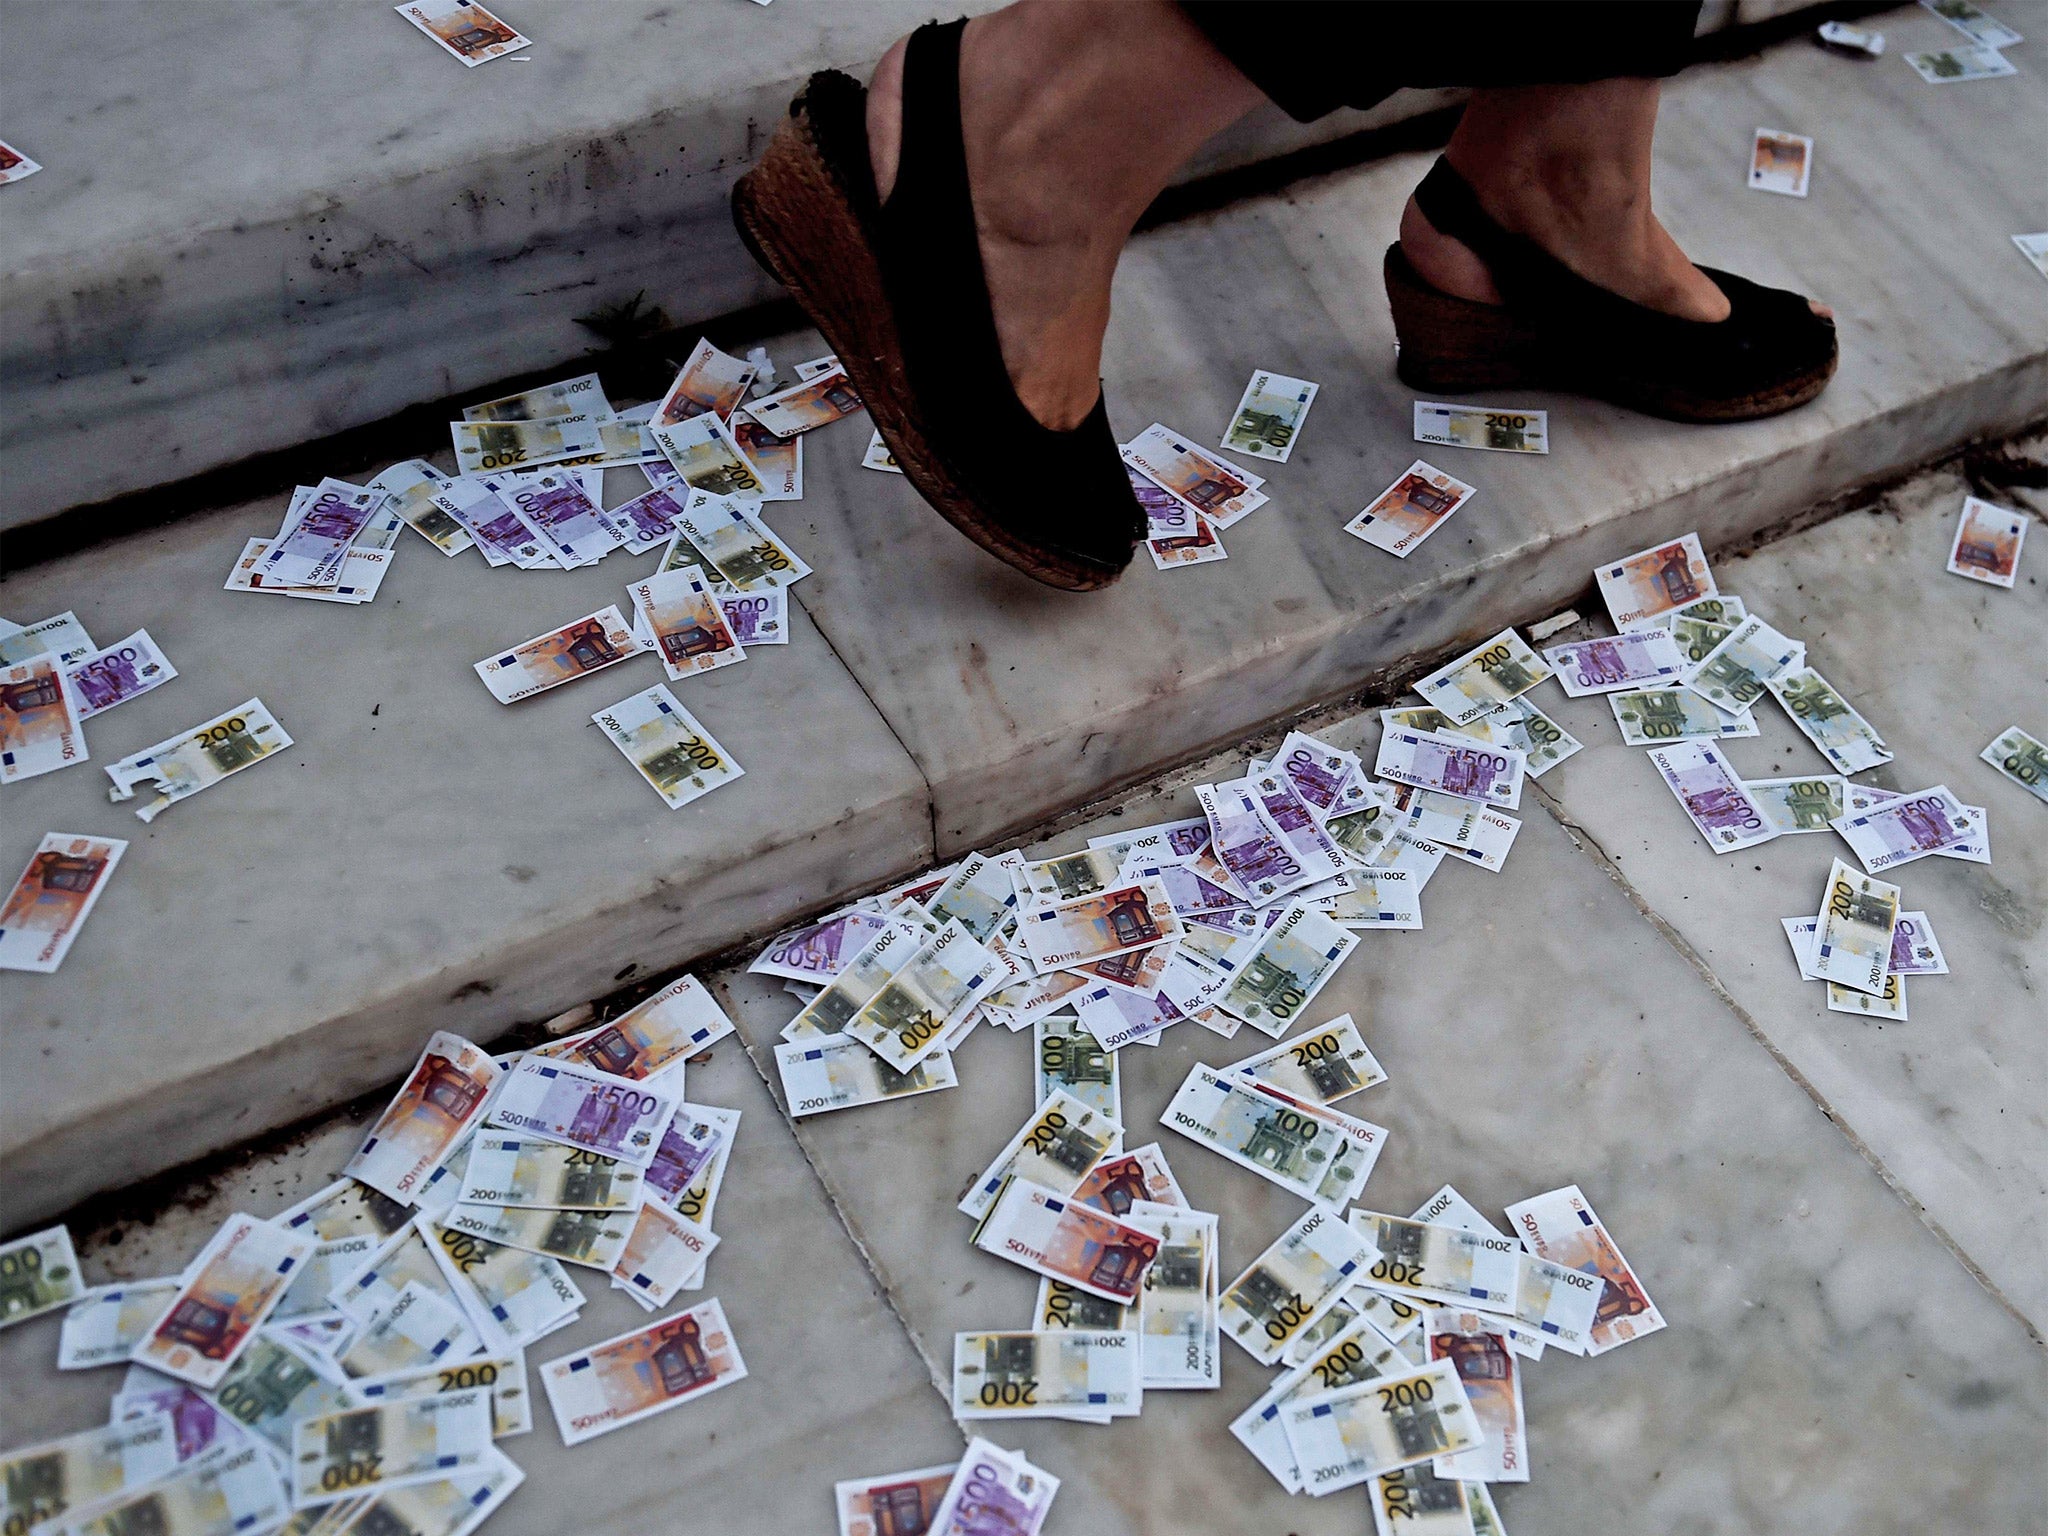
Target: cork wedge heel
(899,294)
(1558,330)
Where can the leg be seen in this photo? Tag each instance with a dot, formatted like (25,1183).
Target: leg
(1075,115)
(1568,166)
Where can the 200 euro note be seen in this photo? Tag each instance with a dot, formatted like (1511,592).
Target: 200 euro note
(222,1495)
(38,1483)
(1707,786)
(1560,1226)
(650,1370)
(738,545)
(1426,1262)
(1352,1354)
(1316,1152)
(708,458)
(836,1072)
(104,1326)
(1857,917)
(668,745)
(586,1108)
(1056,1147)
(502,1376)
(524,1171)
(908,1017)
(419,1327)
(440,1100)
(388,1445)
(1414,1501)
(184,764)
(594,1239)
(227,1293)
(1292,1284)
(1179,1333)
(40,728)
(1051,1235)
(1326,1064)
(980,894)
(486,447)
(1282,975)
(857,981)
(580,647)
(52,899)
(1048,1375)
(518,1295)
(1498,429)
(1484,678)
(1342,1438)
(1641,588)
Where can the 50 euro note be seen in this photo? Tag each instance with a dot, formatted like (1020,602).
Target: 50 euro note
(684,624)
(1642,588)
(49,904)
(580,647)
(442,1098)
(1099,926)
(1318,1153)
(635,1375)
(1057,1237)
(837,1072)
(39,1483)
(1122,1179)
(1287,1289)
(225,1295)
(1474,1345)
(1410,510)
(1050,1375)
(810,403)
(1560,1226)
(667,1252)
(1203,484)
(40,725)
(895,1501)
(1055,1149)
(653,1037)
(710,381)
(582,1107)
(388,1445)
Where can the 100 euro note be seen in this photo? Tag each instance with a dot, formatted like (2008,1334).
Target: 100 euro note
(669,747)
(650,1370)
(1283,974)
(440,1100)
(2022,759)
(1651,716)
(1315,1152)
(1844,737)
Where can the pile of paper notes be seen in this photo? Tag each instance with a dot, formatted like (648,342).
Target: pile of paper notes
(350,1365)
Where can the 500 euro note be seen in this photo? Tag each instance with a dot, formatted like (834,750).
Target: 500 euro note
(123,671)
(441,1099)
(1452,765)
(582,1107)
(1909,827)
(638,1374)
(993,1493)
(1711,792)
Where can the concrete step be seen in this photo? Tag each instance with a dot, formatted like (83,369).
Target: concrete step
(427,858)
(362,225)
(1615,1008)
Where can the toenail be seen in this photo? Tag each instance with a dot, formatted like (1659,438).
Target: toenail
(1823,310)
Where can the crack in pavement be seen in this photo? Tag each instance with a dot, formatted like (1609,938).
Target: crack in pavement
(1588,844)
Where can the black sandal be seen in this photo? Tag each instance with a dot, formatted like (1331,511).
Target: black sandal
(899,293)
(1556,329)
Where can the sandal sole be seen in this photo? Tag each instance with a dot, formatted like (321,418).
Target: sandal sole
(799,225)
(1454,346)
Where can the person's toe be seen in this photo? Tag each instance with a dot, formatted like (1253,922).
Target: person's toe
(1820,309)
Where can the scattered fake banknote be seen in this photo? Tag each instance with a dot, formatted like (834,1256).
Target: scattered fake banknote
(1099,926)
(123,671)
(1987,543)
(185,764)
(653,1036)
(104,1326)
(738,545)
(893,1501)
(1452,765)
(519,1170)
(666,743)
(993,1493)
(465,30)
(41,1483)
(709,381)
(1642,658)
(1843,736)
(1292,962)
(1288,1288)
(808,404)
(1951,65)
(671,1361)
(237,1489)
(1057,1237)
(1712,793)
(1909,827)
(1342,1438)
(1780,162)
(1056,1147)
(387,1445)
(2021,758)
(1736,673)
(1048,1375)
(565,397)
(679,615)
(585,1108)
(1269,415)
(593,1239)
(1642,588)
(1499,428)
(589,644)
(1410,510)
(708,458)
(1484,678)
(1800,805)
(1324,1065)
(837,1072)
(1649,717)
(909,1016)
(1476,1346)
(51,901)
(440,1101)
(226,1294)
(1214,489)
(1447,1265)
(38,1274)
(1068,1059)
(40,727)
(1560,1226)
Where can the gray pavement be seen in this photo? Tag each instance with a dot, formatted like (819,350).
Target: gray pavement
(1835,1218)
